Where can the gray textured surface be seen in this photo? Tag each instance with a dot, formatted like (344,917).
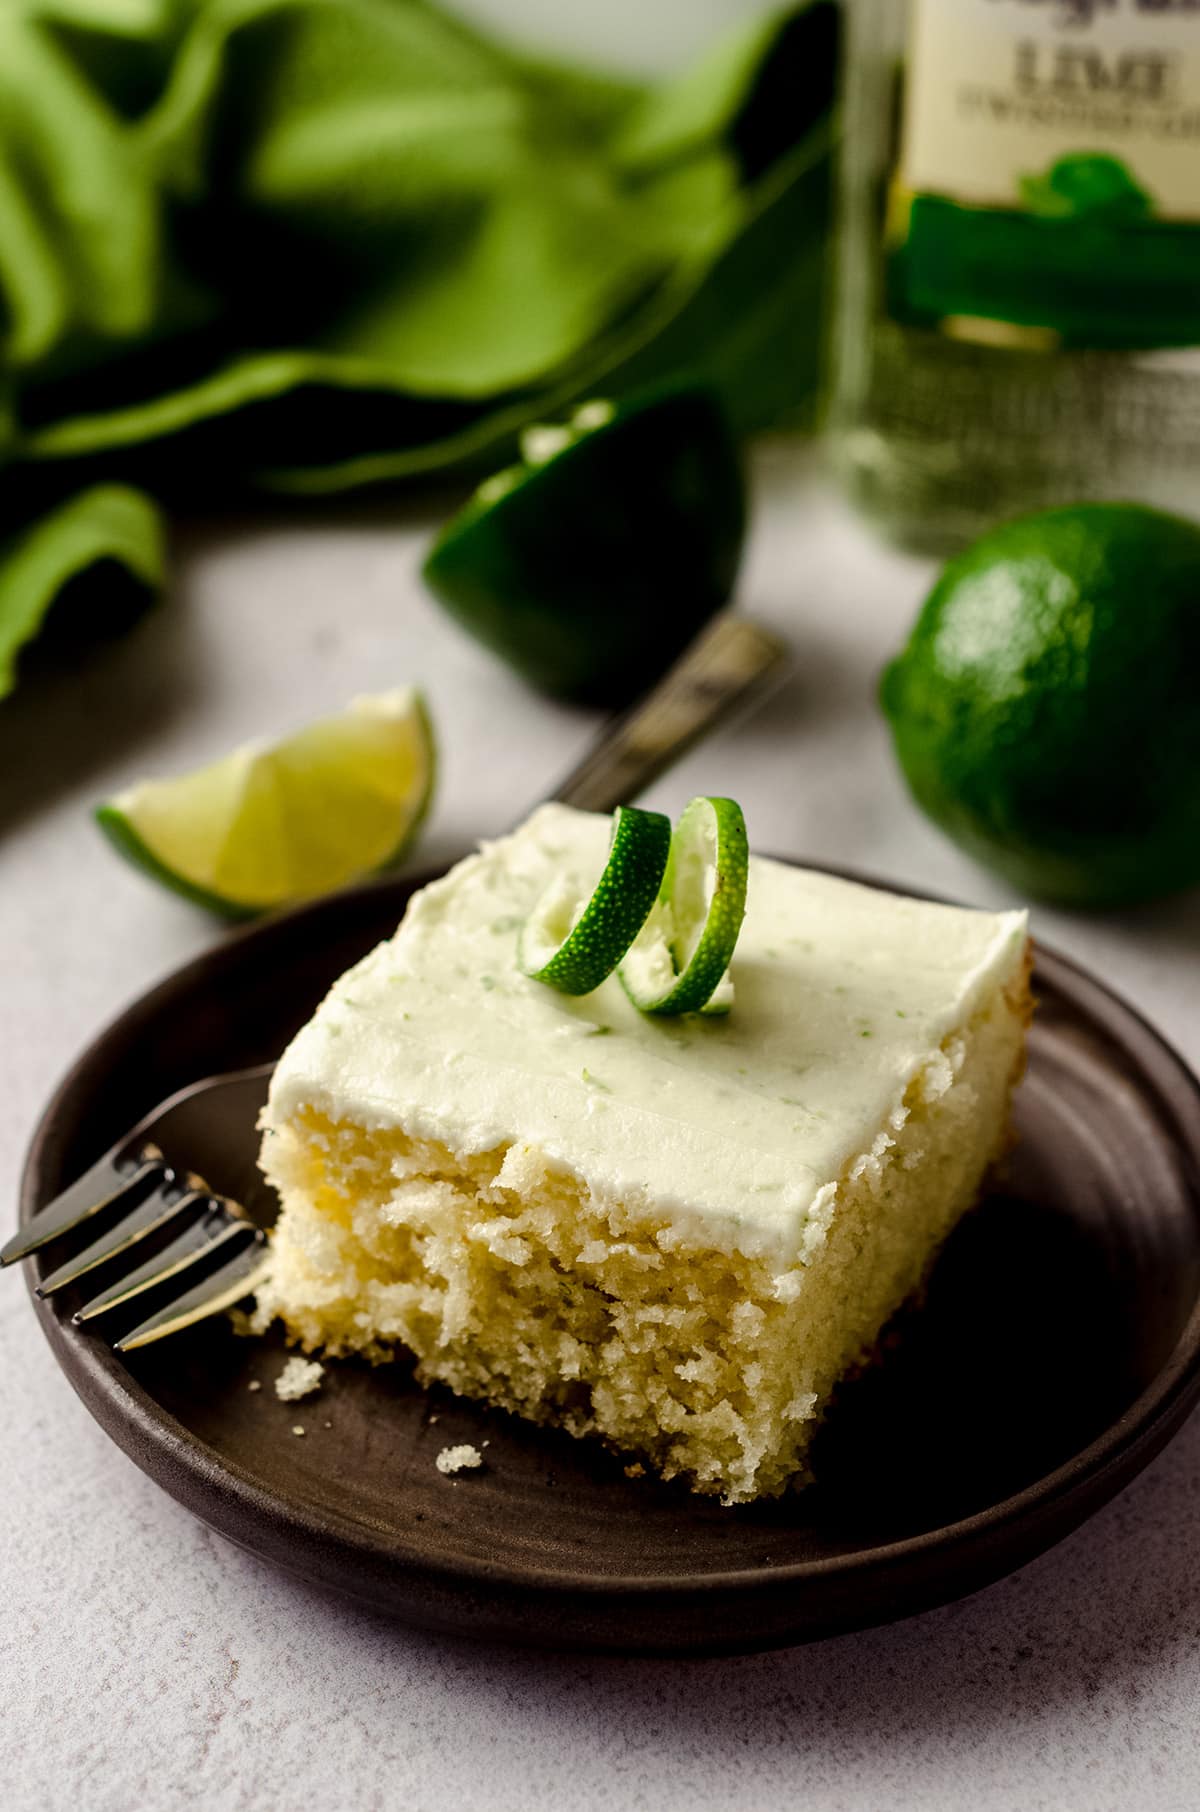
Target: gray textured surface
(146,1663)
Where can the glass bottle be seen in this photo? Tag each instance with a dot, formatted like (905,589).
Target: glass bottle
(1018,314)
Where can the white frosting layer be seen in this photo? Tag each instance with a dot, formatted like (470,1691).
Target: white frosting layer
(844,995)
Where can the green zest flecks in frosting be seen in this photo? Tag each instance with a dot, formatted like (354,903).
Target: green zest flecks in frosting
(691,1115)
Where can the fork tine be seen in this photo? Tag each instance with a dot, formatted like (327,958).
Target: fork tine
(117,1173)
(227,1285)
(213,1230)
(164,1206)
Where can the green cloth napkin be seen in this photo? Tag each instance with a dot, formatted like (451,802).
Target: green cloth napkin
(302,245)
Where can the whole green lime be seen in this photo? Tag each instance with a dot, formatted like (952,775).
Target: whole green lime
(1046,711)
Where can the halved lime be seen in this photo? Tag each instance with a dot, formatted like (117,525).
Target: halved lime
(592,562)
(572,943)
(271,824)
(680,963)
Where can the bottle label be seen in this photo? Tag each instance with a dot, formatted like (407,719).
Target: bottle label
(1049,175)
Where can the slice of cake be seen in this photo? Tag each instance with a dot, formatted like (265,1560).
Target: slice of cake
(677,1234)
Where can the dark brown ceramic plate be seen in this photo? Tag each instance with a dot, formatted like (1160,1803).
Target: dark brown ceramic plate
(1058,1350)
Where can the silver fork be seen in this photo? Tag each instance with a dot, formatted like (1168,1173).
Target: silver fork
(728,663)
(161,1198)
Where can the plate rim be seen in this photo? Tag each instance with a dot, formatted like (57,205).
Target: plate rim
(1097,1472)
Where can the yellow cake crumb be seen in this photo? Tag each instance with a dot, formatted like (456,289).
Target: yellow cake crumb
(299,1378)
(463,1458)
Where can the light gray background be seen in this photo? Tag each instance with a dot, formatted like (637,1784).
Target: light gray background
(146,1664)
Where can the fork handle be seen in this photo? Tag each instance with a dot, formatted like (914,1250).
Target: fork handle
(728,664)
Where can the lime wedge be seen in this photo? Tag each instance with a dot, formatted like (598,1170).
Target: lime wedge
(270,824)
(680,962)
(572,944)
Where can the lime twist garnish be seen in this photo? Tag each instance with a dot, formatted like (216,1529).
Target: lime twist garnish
(680,962)
(274,823)
(574,951)
(665,913)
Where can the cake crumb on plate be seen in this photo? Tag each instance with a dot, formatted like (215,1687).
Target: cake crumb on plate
(458,1459)
(299,1378)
